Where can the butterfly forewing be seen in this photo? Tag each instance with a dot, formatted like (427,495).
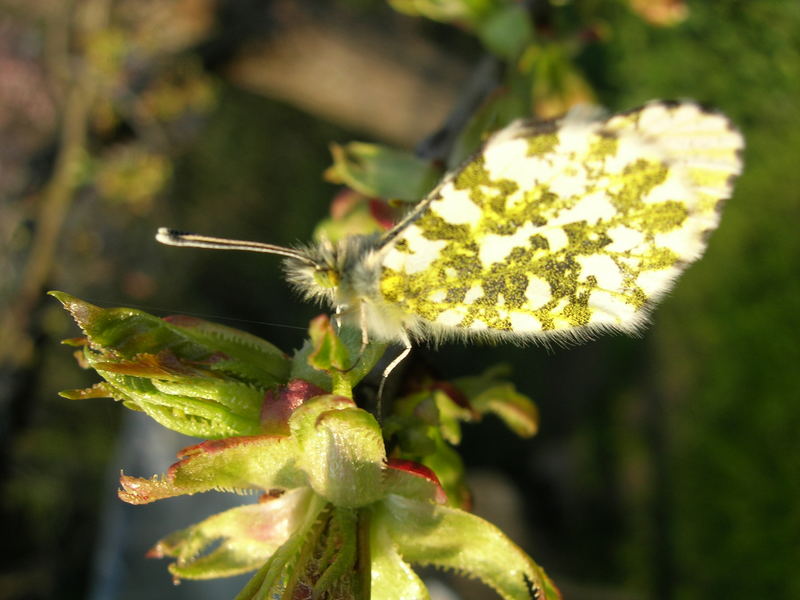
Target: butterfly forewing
(564,227)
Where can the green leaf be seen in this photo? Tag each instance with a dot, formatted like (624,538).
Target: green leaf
(451,412)
(238,464)
(98,390)
(127,332)
(194,377)
(366,357)
(277,575)
(329,353)
(487,393)
(319,561)
(195,416)
(427,423)
(302,370)
(461,12)
(381,172)
(238,398)
(449,468)
(332,353)
(392,577)
(414,480)
(552,82)
(247,535)
(452,539)
(507,31)
(336,565)
(244,355)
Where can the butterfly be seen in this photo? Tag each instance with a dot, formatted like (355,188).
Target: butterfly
(552,230)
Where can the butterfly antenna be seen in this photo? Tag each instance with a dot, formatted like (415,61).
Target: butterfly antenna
(172,237)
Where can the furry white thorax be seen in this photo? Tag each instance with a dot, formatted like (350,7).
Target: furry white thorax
(353,265)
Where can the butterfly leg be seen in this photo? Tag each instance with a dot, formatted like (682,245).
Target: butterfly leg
(391,367)
(362,323)
(337,317)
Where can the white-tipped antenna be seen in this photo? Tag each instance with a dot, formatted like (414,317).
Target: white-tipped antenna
(171,237)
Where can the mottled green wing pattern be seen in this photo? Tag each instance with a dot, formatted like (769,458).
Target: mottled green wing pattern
(564,227)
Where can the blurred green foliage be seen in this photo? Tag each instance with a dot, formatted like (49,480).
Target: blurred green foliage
(726,344)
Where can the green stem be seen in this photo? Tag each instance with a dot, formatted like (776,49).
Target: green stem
(309,541)
(340,383)
(263,584)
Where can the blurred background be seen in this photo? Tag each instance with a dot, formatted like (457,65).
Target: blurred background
(666,467)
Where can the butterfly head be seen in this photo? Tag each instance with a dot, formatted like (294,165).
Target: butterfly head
(326,278)
(325,271)
(314,271)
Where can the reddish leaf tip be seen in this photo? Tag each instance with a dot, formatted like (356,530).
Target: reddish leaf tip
(419,470)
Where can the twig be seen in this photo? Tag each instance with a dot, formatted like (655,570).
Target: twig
(484,80)
(56,197)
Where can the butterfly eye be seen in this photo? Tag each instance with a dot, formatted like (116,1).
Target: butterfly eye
(327,278)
